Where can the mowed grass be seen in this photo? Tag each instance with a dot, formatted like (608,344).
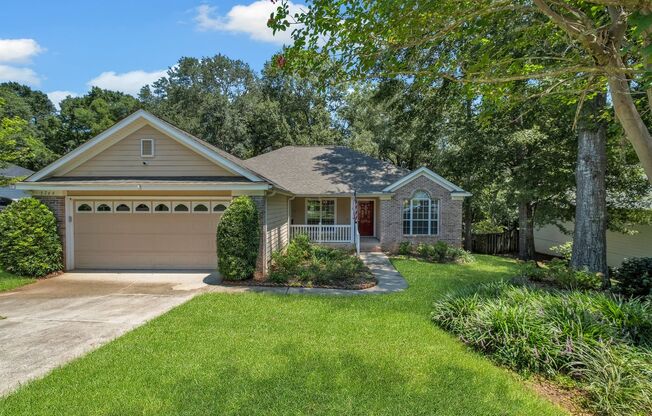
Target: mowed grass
(263,354)
(9,281)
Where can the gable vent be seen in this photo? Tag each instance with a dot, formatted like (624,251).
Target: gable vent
(146,147)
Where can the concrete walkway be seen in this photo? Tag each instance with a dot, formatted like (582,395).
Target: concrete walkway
(389,281)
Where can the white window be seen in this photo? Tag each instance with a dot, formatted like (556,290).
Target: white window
(181,207)
(84,206)
(122,207)
(420,215)
(320,211)
(219,207)
(104,207)
(146,147)
(201,207)
(142,207)
(162,207)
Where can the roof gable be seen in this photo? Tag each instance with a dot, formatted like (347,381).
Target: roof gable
(131,125)
(423,171)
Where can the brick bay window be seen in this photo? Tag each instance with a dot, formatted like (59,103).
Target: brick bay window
(421,215)
(320,211)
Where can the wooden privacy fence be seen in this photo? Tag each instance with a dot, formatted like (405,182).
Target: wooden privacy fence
(506,242)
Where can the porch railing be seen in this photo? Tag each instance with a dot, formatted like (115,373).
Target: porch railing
(323,233)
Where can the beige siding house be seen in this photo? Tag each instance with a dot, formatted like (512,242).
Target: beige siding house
(619,246)
(147,195)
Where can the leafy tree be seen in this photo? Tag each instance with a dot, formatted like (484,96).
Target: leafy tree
(84,117)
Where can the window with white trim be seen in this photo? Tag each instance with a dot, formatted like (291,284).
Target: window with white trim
(320,211)
(421,215)
(84,207)
(219,207)
(201,207)
(161,207)
(181,207)
(104,206)
(146,147)
(123,207)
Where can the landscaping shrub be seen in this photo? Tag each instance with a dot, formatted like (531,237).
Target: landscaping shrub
(238,236)
(29,243)
(440,252)
(634,277)
(405,248)
(308,264)
(600,340)
(565,251)
(558,273)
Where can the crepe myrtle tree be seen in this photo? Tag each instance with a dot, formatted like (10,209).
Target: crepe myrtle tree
(572,48)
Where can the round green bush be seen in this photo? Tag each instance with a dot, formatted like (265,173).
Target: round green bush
(238,235)
(634,277)
(29,243)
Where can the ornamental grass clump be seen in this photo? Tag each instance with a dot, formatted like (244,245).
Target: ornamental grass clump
(602,341)
(29,243)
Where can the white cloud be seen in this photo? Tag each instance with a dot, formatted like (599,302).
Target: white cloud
(249,19)
(57,96)
(18,50)
(129,82)
(21,75)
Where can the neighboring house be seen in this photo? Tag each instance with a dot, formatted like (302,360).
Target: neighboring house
(619,246)
(147,195)
(7,193)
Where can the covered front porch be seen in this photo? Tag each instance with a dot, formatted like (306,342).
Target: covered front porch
(331,219)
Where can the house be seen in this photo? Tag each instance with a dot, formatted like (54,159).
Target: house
(619,246)
(146,195)
(9,194)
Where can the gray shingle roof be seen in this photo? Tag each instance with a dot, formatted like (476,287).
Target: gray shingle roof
(311,170)
(14,171)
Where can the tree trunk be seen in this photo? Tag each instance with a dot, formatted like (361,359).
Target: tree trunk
(635,129)
(468,222)
(525,231)
(589,236)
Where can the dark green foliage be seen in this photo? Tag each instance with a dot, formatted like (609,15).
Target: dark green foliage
(602,341)
(634,277)
(238,237)
(557,272)
(29,243)
(405,248)
(304,263)
(440,252)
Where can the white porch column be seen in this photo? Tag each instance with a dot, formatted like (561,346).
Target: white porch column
(352,218)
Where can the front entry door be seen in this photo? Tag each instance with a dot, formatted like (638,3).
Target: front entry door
(366,218)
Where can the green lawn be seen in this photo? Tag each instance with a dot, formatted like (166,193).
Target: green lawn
(9,281)
(265,354)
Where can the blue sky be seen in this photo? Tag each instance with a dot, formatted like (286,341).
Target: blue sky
(64,47)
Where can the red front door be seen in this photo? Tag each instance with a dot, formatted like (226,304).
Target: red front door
(366,218)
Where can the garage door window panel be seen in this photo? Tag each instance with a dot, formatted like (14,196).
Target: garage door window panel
(182,207)
(162,207)
(123,207)
(142,207)
(85,207)
(218,207)
(104,207)
(200,207)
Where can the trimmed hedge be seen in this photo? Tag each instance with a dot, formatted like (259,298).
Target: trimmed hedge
(238,236)
(29,243)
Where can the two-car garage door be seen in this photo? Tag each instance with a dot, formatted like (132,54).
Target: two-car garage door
(146,234)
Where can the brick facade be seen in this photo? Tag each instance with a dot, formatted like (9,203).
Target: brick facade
(391,215)
(57,205)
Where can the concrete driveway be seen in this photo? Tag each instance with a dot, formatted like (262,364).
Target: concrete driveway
(53,321)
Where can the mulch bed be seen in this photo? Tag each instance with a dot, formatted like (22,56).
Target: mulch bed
(266,283)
